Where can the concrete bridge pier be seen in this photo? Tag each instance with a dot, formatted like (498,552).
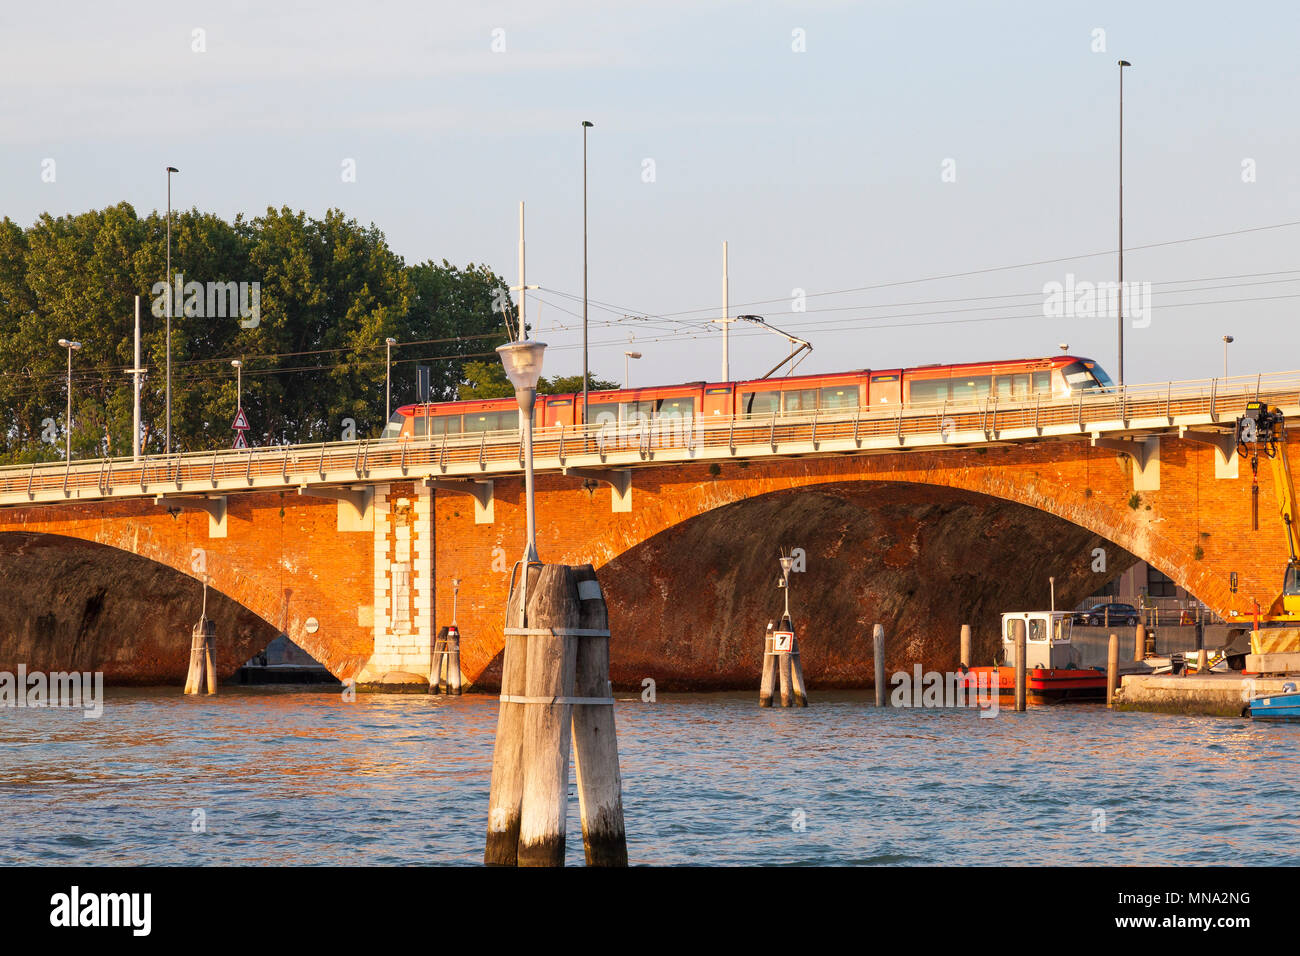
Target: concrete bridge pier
(403,594)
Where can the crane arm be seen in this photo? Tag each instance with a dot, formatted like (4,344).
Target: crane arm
(1286,497)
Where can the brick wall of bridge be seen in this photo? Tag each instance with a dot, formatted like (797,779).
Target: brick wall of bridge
(284,558)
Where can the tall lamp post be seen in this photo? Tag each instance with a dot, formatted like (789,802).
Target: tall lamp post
(239,384)
(523,363)
(170,286)
(388,380)
(585,126)
(1122,64)
(626,356)
(71,346)
(1227,340)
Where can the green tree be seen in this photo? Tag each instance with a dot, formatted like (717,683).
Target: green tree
(312,343)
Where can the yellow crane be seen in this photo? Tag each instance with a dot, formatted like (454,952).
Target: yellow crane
(1263,429)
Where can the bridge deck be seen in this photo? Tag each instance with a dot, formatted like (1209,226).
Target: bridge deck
(1136,412)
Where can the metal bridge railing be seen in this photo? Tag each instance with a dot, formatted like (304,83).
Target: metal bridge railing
(665,439)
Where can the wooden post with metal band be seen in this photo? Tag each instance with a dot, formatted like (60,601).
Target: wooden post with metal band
(767,685)
(555,683)
(1112,669)
(203,667)
(1018,635)
(437,683)
(798,690)
(878,653)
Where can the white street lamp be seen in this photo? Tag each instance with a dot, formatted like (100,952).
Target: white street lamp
(1227,340)
(523,364)
(239,384)
(626,356)
(71,347)
(170,286)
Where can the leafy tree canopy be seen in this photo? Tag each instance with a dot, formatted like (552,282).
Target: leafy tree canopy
(305,303)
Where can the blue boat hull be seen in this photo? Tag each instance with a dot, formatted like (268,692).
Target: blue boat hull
(1282,706)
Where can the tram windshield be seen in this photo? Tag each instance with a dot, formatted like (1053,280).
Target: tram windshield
(1085,375)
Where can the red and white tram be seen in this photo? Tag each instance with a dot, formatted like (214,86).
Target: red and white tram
(1014,380)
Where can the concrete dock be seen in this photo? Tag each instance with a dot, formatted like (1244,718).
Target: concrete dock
(1218,695)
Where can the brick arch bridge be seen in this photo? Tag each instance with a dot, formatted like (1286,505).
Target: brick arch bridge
(362,585)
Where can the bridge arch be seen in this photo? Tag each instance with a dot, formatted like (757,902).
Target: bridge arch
(282,563)
(1194,528)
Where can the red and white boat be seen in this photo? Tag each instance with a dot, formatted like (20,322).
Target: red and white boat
(1052,672)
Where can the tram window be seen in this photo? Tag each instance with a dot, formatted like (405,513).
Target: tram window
(760,403)
(929,390)
(839,397)
(490,421)
(800,400)
(1086,375)
(444,425)
(420,425)
(970,388)
(677,408)
(1042,382)
(1037,629)
(394,427)
(606,414)
(1013,387)
(633,412)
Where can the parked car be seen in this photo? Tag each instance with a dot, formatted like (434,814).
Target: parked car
(1125,614)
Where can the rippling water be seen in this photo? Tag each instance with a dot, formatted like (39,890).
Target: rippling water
(301,777)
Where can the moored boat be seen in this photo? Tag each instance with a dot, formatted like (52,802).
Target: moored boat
(1052,672)
(1283,706)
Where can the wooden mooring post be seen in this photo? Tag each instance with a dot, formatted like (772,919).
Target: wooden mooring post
(555,693)
(787,665)
(444,674)
(798,689)
(202,659)
(878,652)
(1018,632)
(767,685)
(1112,669)
(1140,642)
(965,645)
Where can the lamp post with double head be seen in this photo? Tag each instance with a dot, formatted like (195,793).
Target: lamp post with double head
(170,287)
(585,126)
(523,363)
(1120,310)
(71,346)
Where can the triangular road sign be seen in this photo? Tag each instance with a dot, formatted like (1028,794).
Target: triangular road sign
(241,421)
(239,440)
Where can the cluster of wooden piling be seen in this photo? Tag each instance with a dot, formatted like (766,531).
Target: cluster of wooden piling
(555,680)
(782,668)
(444,676)
(202,666)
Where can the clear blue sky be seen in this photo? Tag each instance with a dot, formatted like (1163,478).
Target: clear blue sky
(821,168)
